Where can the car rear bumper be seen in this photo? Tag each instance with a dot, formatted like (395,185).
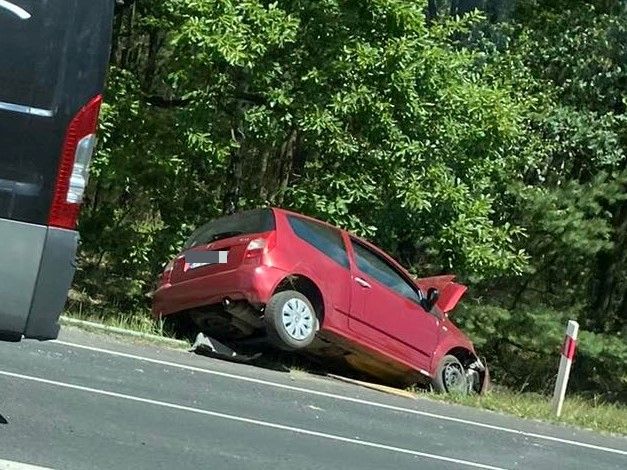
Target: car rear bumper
(37,269)
(254,284)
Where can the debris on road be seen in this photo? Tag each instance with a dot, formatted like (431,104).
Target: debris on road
(211,347)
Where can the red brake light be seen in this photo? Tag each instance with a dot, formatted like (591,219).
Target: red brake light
(255,247)
(73,170)
(259,246)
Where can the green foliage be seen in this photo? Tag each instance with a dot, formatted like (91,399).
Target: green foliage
(522,347)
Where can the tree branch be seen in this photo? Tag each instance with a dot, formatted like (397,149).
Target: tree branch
(161,102)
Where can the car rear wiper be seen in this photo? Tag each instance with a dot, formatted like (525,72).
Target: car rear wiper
(222,235)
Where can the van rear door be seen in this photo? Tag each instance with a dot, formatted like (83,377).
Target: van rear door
(53,59)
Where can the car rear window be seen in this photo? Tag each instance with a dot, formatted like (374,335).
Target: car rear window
(242,223)
(324,238)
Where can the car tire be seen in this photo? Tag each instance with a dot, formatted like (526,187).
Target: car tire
(450,376)
(291,321)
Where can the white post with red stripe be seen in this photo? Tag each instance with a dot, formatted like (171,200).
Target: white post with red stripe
(566,360)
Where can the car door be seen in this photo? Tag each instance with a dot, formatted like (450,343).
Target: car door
(385,309)
(321,249)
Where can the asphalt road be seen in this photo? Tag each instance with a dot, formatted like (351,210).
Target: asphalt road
(90,401)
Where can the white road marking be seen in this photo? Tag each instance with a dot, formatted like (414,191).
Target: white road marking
(348,399)
(256,422)
(16,10)
(11,465)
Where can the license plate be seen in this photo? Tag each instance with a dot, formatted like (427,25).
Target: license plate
(198,259)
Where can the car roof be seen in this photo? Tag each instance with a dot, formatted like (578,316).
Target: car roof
(369,244)
(307,217)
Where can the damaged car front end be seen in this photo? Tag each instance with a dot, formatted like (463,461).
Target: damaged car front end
(478,376)
(453,341)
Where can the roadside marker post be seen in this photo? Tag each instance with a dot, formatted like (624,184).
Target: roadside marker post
(566,361)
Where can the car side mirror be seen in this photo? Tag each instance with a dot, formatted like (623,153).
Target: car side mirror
(432,297)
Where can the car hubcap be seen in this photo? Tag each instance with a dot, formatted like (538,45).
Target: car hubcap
(297,319)
(454,378)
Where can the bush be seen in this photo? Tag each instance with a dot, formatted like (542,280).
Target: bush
(522,349)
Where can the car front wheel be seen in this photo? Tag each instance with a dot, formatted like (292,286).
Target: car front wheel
(291,320)
(451,376)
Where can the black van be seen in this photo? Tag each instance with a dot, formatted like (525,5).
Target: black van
(53,58)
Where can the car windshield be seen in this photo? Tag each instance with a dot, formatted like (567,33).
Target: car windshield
(242,223)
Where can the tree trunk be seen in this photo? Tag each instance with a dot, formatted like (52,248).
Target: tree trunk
(129,37)
(610,269)
(263,170)
(466,6)
(494,9)
(155,41)
(432,10)
(233,183)
(622,313)
(454,7)
(115,45)
(286,157)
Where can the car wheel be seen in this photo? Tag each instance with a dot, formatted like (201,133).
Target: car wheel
(450,376)
(291,320)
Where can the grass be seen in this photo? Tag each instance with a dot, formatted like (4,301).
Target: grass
(577,411)
(143,324)
(137,323)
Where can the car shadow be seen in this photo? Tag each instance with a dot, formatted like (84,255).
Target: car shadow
(259,355)
(3,420)
(277,360)
(257,352)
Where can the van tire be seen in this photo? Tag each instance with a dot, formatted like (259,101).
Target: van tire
(291,321)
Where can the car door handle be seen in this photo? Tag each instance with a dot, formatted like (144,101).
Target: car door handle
(362,282)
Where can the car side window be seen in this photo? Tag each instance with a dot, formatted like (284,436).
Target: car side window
(321,237)
(377,267)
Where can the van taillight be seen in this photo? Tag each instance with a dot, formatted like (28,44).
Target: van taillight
(73,171)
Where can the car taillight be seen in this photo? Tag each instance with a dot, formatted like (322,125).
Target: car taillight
(73,170)
(167,273)
(259,246)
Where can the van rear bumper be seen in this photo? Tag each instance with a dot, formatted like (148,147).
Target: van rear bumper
(56,272)
(37,265)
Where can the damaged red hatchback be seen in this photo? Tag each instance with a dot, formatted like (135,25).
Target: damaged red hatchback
(305,285)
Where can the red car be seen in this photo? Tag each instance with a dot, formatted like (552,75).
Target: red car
(303,284)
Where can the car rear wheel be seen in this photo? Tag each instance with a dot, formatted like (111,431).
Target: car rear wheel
(451,376)
(291,320)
